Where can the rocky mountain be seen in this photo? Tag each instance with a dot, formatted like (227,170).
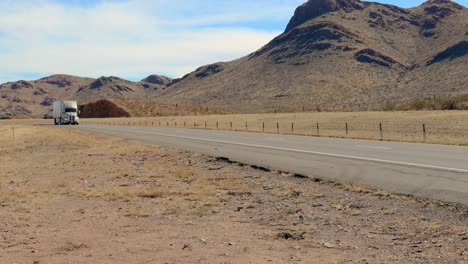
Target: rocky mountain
(157,79)
(342,55)
(333,55)
(114,87)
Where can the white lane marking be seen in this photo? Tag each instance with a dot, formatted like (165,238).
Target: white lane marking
(425,166)
(372,147)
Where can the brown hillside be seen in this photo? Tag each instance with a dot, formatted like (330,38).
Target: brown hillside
(342,55)
(31,98)
(114,87)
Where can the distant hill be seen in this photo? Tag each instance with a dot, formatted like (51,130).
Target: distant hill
(31,98)
(342,55)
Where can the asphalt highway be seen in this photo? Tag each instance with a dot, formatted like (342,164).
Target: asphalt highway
(436,172)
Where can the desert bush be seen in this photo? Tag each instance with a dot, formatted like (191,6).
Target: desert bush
(449,104)
(442,103)
(390,106)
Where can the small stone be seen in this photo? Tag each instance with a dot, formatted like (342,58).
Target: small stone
(328,245)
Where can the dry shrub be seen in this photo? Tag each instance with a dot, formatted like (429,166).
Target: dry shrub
(129,193)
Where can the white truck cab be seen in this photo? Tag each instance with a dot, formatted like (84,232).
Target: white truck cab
(66,113)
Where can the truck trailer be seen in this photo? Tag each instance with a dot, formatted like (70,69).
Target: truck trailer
(65,113)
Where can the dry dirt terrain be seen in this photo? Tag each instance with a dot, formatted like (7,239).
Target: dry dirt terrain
(68,196)
(442,127)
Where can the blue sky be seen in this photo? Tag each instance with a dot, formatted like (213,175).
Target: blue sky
(135,38)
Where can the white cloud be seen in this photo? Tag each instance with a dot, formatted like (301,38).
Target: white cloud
(132,38)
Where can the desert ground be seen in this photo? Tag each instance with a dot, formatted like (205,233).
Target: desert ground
(68,196)
(442,127)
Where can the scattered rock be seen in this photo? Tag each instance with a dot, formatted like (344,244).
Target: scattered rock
(47,101)
(456,51)
(314,8)
(292,235)
(21,84)
(208,70)
(186,247)
(328,245)
(374,57)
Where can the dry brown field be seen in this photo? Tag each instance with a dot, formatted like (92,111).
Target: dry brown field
(68,196)
(442,127)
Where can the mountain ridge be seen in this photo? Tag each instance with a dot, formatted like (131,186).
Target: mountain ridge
(334,55)
(32,98)
(348,55)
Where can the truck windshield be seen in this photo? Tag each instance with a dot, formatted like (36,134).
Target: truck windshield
(70,110)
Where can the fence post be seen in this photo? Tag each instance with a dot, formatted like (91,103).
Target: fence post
(167,124)
(185,123)
(217,124)
(381,131)
(246,126)
(230,124)
(318,130)
(206,125)
(347,130)
(175,123)
(152,123)
(424,133)
(263,127)
(292,128)
(277,128)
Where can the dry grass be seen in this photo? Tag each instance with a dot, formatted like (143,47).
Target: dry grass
(145,108)
(128,193)
(102,199)
(442,127)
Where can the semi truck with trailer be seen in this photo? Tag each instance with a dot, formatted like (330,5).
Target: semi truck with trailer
(65,113)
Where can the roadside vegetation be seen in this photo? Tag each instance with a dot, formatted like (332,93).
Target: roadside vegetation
(441,127)
(442,103)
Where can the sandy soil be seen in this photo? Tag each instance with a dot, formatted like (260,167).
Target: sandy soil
(72,197)
(443,127)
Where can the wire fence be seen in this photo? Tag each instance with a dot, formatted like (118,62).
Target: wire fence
(453,132)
